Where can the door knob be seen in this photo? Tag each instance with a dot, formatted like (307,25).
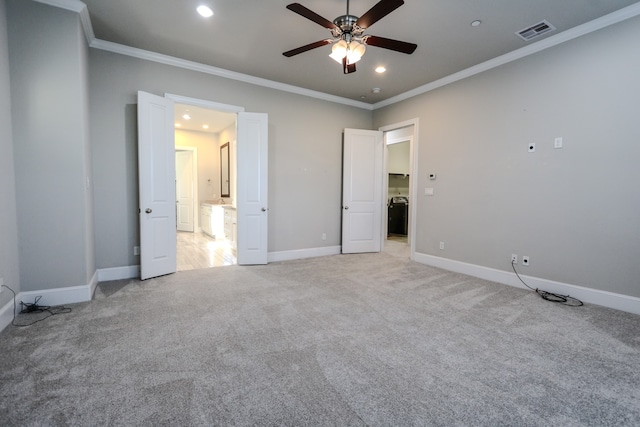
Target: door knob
(148,210)
(264,209)
(346,208)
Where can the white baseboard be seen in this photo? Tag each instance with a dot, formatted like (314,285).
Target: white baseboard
(593,296)
(58,296)
(303,253)
(118,273)
(49,297)
(6,313)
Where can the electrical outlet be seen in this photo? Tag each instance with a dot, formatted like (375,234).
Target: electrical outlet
(442,245)
(136,250)
(525,260)
(514,258)
(324,236)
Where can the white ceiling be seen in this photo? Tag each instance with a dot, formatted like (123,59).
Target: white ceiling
(215,121)
(249,36)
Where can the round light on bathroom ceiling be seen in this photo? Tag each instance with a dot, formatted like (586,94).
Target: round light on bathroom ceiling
(375,90)
(476,23)
(186,117)
(205,11)
(205,126)
(380,70)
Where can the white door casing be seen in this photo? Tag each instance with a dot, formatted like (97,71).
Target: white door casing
(362,191)
(156,174)
(252,188)
(184,191)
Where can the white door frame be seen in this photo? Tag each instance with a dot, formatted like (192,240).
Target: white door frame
(194,181)
(242,237)
(387,143)
(227,108)
(413,174)
(234,109)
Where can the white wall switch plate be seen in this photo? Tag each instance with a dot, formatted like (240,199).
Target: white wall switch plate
(428,191)
(557,143)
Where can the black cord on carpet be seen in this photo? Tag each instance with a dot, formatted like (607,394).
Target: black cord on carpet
(550,296)
(35,308)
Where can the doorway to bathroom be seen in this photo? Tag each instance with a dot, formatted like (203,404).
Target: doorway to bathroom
(205,162)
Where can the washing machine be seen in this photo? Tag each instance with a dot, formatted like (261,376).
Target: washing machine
(398,215)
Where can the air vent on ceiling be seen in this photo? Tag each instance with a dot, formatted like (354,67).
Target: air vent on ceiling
(535,30)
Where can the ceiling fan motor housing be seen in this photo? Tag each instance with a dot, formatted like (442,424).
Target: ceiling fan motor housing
(345,22)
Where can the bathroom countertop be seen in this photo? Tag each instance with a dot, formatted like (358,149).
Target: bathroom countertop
(216,203)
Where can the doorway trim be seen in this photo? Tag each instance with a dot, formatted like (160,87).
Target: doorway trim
(227,108)
(413,174)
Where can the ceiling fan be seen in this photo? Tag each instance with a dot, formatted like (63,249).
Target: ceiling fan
(347,31)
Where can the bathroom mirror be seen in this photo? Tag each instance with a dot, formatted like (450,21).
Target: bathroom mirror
(225,183)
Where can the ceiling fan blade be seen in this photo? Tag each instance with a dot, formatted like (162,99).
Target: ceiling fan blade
(311,15)
(385,43)
(305,48)
(377,12)
(348,68)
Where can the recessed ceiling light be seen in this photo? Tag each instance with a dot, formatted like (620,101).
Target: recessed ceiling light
(205,11)
(186,117)
(178,125)
(380,70)
(205,126)
(375,90)
(476,23)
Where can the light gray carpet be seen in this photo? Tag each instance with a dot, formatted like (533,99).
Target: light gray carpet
(347,340)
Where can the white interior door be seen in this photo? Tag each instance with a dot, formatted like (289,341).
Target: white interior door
(252,185)
(362,191)
(184,190)
(156,174)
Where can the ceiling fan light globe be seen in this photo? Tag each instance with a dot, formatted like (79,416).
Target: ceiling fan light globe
(340,48)
(355,52)
(352,58)
(339,51)
(336,57)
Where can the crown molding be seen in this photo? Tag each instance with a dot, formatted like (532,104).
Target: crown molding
(80,8)
(221,72)
(570,34)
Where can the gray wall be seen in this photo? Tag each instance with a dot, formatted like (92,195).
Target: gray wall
(49,82)
(305,143)
(575,211)
(9,270)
